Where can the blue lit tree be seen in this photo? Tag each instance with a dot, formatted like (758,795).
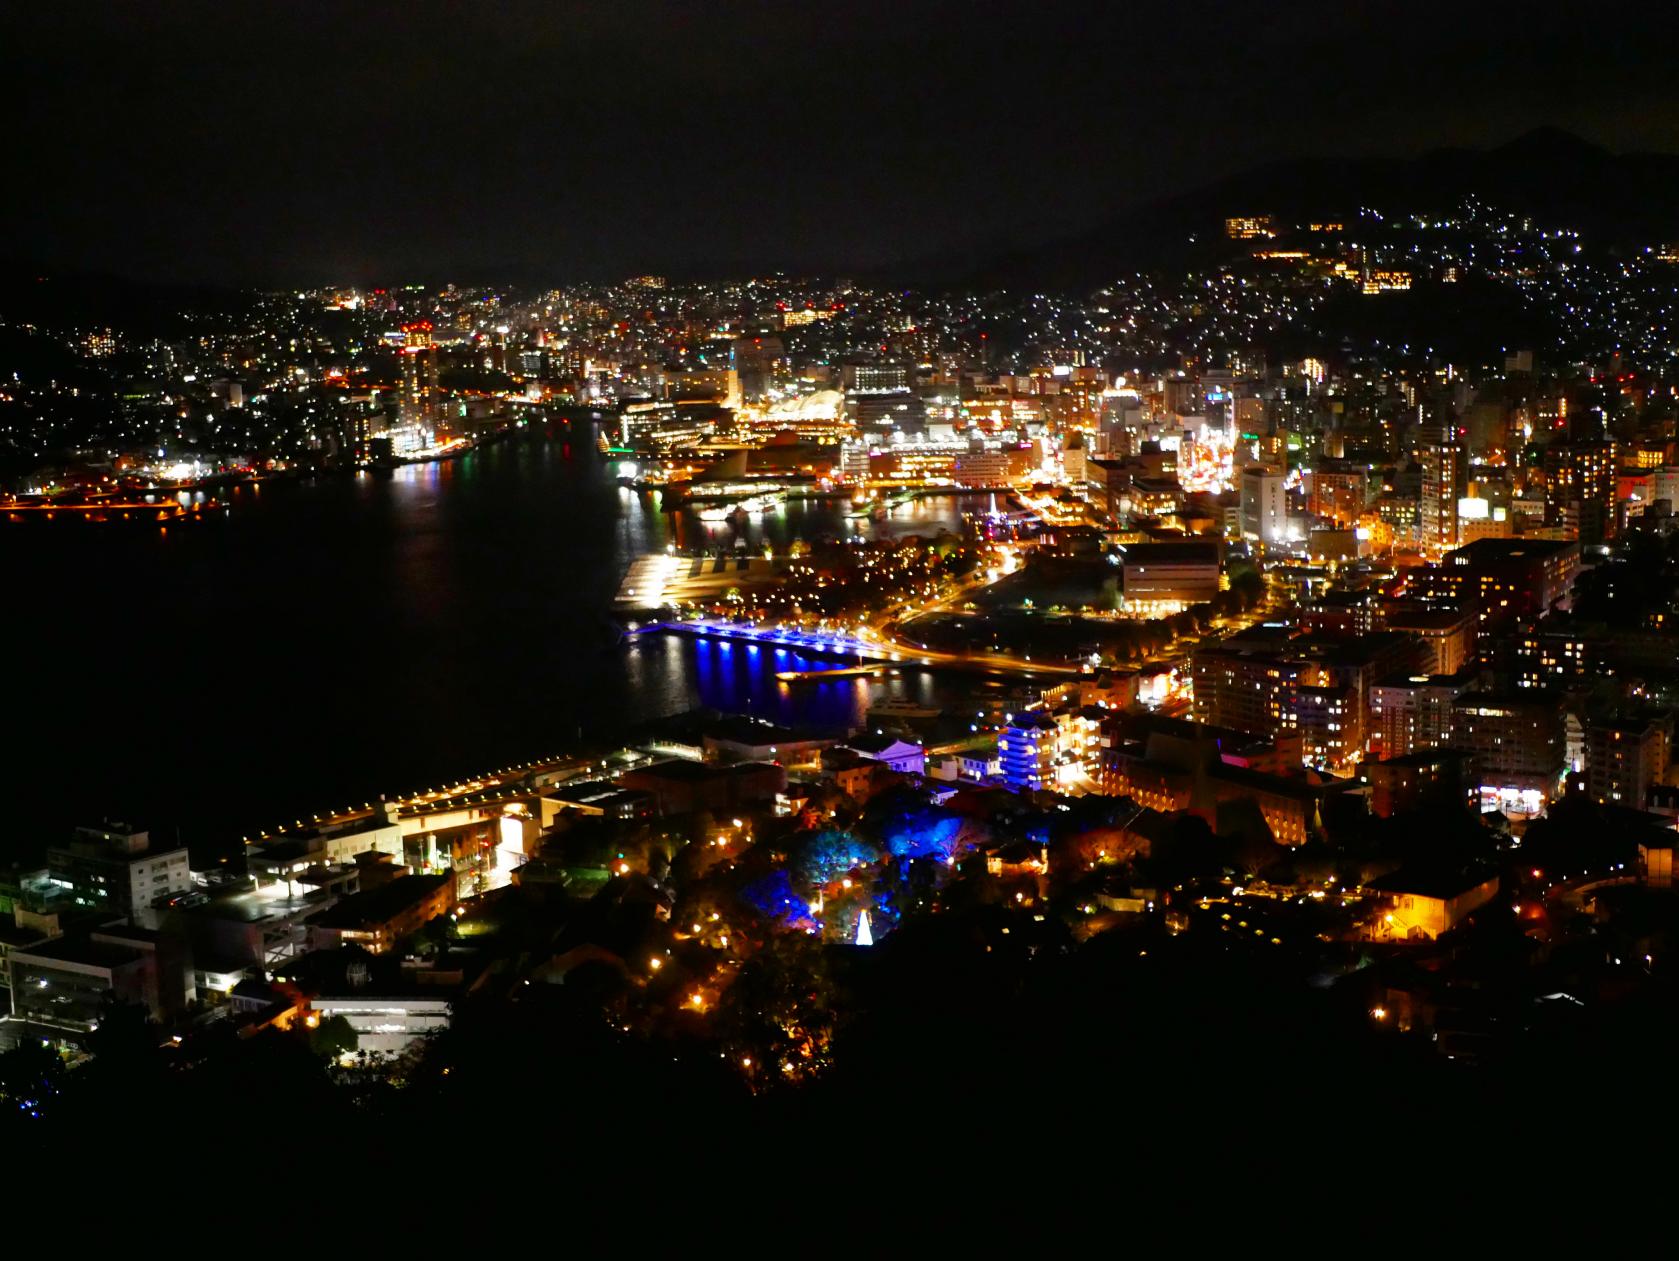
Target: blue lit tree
(828,855)
(931,833)
(773,896)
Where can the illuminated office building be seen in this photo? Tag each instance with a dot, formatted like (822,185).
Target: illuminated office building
(1516,743)
(1626,757)
(1580,488)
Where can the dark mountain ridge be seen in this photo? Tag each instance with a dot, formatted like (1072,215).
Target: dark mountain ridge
(1616,200)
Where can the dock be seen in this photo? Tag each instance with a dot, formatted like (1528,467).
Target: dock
(660,579)
(104,510)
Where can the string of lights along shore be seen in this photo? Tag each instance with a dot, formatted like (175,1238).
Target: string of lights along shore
(537,656)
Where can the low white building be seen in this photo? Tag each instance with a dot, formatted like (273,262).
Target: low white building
(384,1025)
(904,756)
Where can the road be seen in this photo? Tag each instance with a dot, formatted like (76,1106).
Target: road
(889,629)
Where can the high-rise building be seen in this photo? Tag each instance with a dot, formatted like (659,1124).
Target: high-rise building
(1503,579)
(421,399)
(1580,488)
(1336,491)
(874,378)
(1247,687)
(497,358)
(1073,454)
(755,360)
(1448,634)
(1410,713)
(1442,476)
(1517,746)
(1331,725)
(703,385)
(901,410)
(1625,757)
(1556,652)
(1264,506)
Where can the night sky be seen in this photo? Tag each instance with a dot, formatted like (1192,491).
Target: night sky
(296,143)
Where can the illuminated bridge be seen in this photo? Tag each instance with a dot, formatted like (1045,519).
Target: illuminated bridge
(838,642)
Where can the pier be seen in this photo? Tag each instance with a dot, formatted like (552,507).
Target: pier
(839,643)
(104,510)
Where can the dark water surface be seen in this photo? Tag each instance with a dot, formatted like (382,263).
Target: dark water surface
(333,639)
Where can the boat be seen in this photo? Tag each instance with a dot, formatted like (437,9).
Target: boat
(824,676)
(743,510)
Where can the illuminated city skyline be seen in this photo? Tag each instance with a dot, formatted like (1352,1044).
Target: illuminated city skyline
(677,592)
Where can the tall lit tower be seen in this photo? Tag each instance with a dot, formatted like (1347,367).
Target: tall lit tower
(1442,475)
(421,401)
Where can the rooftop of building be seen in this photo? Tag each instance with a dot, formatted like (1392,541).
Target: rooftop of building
(1340,598)
(1426,757)
(875,742)
(286,849)
(145,938)
(251,907)
(1631,724)
(111,830)
(83,951)
(1406,679)
(14,937)
(755,732)
(1032,720)
(1496,551)
(1300,787)
(1258,638)
(681,771)
(375,906)
(375,822)
(1429,619)
(1533,698)
(1172,552)
(1336,650)
(1433,881)
(85,844)
(1139,726)
(584,791)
